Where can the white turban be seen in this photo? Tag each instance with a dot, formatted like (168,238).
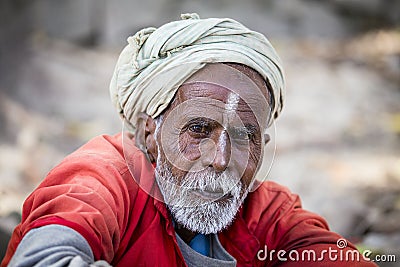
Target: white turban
(156,62)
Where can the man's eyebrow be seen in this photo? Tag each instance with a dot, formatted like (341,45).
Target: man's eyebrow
(199,120)
(250,128)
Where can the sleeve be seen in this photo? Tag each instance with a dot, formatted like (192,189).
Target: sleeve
(54,245)
(304,238)
(87,194)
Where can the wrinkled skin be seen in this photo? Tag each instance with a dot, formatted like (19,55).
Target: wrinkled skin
(213,130)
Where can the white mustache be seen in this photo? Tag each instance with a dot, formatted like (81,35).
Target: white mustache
(208,180)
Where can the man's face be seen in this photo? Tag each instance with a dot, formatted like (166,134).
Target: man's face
(210,144)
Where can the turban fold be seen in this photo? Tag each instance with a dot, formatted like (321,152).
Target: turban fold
(156,62)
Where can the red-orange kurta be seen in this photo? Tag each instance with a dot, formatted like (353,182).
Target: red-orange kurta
(93,192)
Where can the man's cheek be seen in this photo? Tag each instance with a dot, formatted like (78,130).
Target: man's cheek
(250,170)
(178,175)
(190,149)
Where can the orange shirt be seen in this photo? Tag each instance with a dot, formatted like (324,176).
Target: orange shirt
(93,191)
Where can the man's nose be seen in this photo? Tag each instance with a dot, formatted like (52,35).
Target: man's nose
(222,153)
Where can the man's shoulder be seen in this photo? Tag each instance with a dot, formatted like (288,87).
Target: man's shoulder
(268,193)
(102,150)
(268,205)
(101,158)
(103,146)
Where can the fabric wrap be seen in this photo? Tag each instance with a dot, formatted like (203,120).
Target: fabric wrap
(156,62)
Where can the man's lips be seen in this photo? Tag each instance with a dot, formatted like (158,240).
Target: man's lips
(211,195)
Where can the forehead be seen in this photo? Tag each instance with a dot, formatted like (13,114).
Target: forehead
(212,94)
(221,89)
(221,104)
(254,76)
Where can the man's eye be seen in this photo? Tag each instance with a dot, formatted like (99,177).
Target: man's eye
(199,129)
(242,134)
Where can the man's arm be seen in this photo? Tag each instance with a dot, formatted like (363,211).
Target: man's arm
(307,240)
(288,235)
(54,245)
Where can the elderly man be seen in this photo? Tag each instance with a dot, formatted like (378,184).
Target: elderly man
(178,187)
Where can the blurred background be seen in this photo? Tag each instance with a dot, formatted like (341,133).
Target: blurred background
(338,138)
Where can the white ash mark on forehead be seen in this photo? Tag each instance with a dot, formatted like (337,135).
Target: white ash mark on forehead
(232,103)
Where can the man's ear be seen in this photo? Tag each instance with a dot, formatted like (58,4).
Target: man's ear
(144,136)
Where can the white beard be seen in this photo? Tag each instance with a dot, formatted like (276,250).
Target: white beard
(194,212)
